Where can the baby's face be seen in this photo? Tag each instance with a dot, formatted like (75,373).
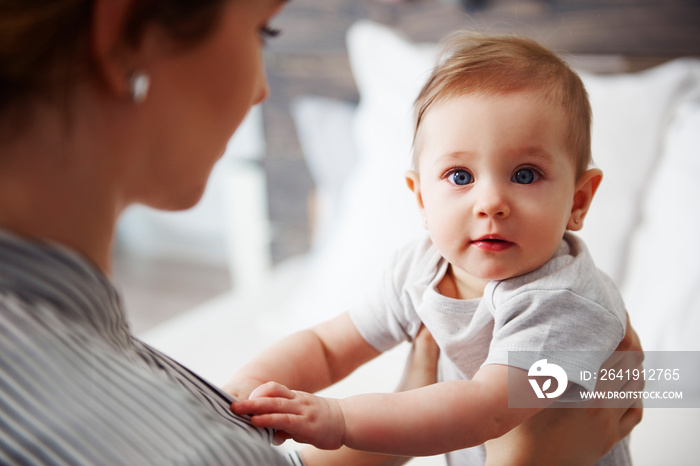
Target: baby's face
(495,182)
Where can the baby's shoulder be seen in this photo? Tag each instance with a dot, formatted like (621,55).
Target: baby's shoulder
(417,260)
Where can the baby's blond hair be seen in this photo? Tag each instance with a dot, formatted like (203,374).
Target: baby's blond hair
(489,65)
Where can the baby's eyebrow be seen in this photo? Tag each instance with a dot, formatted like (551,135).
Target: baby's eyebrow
(535,152)
(455,155)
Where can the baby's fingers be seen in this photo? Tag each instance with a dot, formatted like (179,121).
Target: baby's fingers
(270,397)
(280,421)
(272,389)
(260,406)
(302,429)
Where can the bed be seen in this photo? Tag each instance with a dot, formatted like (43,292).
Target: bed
(342,138)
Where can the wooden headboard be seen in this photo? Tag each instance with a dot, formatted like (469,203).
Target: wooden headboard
(310,59)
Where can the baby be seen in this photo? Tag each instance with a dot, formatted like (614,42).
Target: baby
(501,176)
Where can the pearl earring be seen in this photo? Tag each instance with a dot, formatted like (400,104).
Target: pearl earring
(139,82)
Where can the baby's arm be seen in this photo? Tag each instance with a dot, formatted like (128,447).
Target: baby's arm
(308,360)
(430,420)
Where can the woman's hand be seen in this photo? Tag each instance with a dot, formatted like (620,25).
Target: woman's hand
(574,436)
(422,362)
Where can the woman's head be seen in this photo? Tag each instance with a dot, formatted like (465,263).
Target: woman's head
(75,139)
(197,99)
(44,44)
(74,59)
(505,64)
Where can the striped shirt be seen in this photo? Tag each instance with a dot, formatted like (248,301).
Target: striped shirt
(76,388)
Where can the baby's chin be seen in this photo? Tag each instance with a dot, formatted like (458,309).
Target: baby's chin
(498,274)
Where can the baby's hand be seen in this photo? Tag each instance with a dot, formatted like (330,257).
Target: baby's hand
(241,387)
(306,418)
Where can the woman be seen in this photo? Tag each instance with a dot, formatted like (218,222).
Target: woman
(106,103)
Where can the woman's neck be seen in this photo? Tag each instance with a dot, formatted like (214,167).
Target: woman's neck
(52,192)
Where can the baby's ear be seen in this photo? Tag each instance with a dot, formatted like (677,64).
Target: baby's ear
(586,187)
(413,182)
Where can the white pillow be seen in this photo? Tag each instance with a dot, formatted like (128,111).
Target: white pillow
(630,117)
(324,129)
(661,288)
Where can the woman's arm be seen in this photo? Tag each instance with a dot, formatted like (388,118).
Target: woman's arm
(572,436)
(308,360)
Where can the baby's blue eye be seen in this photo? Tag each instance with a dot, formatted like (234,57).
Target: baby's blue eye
(525,176)
(461,177)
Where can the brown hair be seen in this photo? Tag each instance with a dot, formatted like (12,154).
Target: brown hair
(43,43)
(490,65)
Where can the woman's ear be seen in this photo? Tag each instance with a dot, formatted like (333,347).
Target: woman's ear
(586,187)
(112,57)
(413,182)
